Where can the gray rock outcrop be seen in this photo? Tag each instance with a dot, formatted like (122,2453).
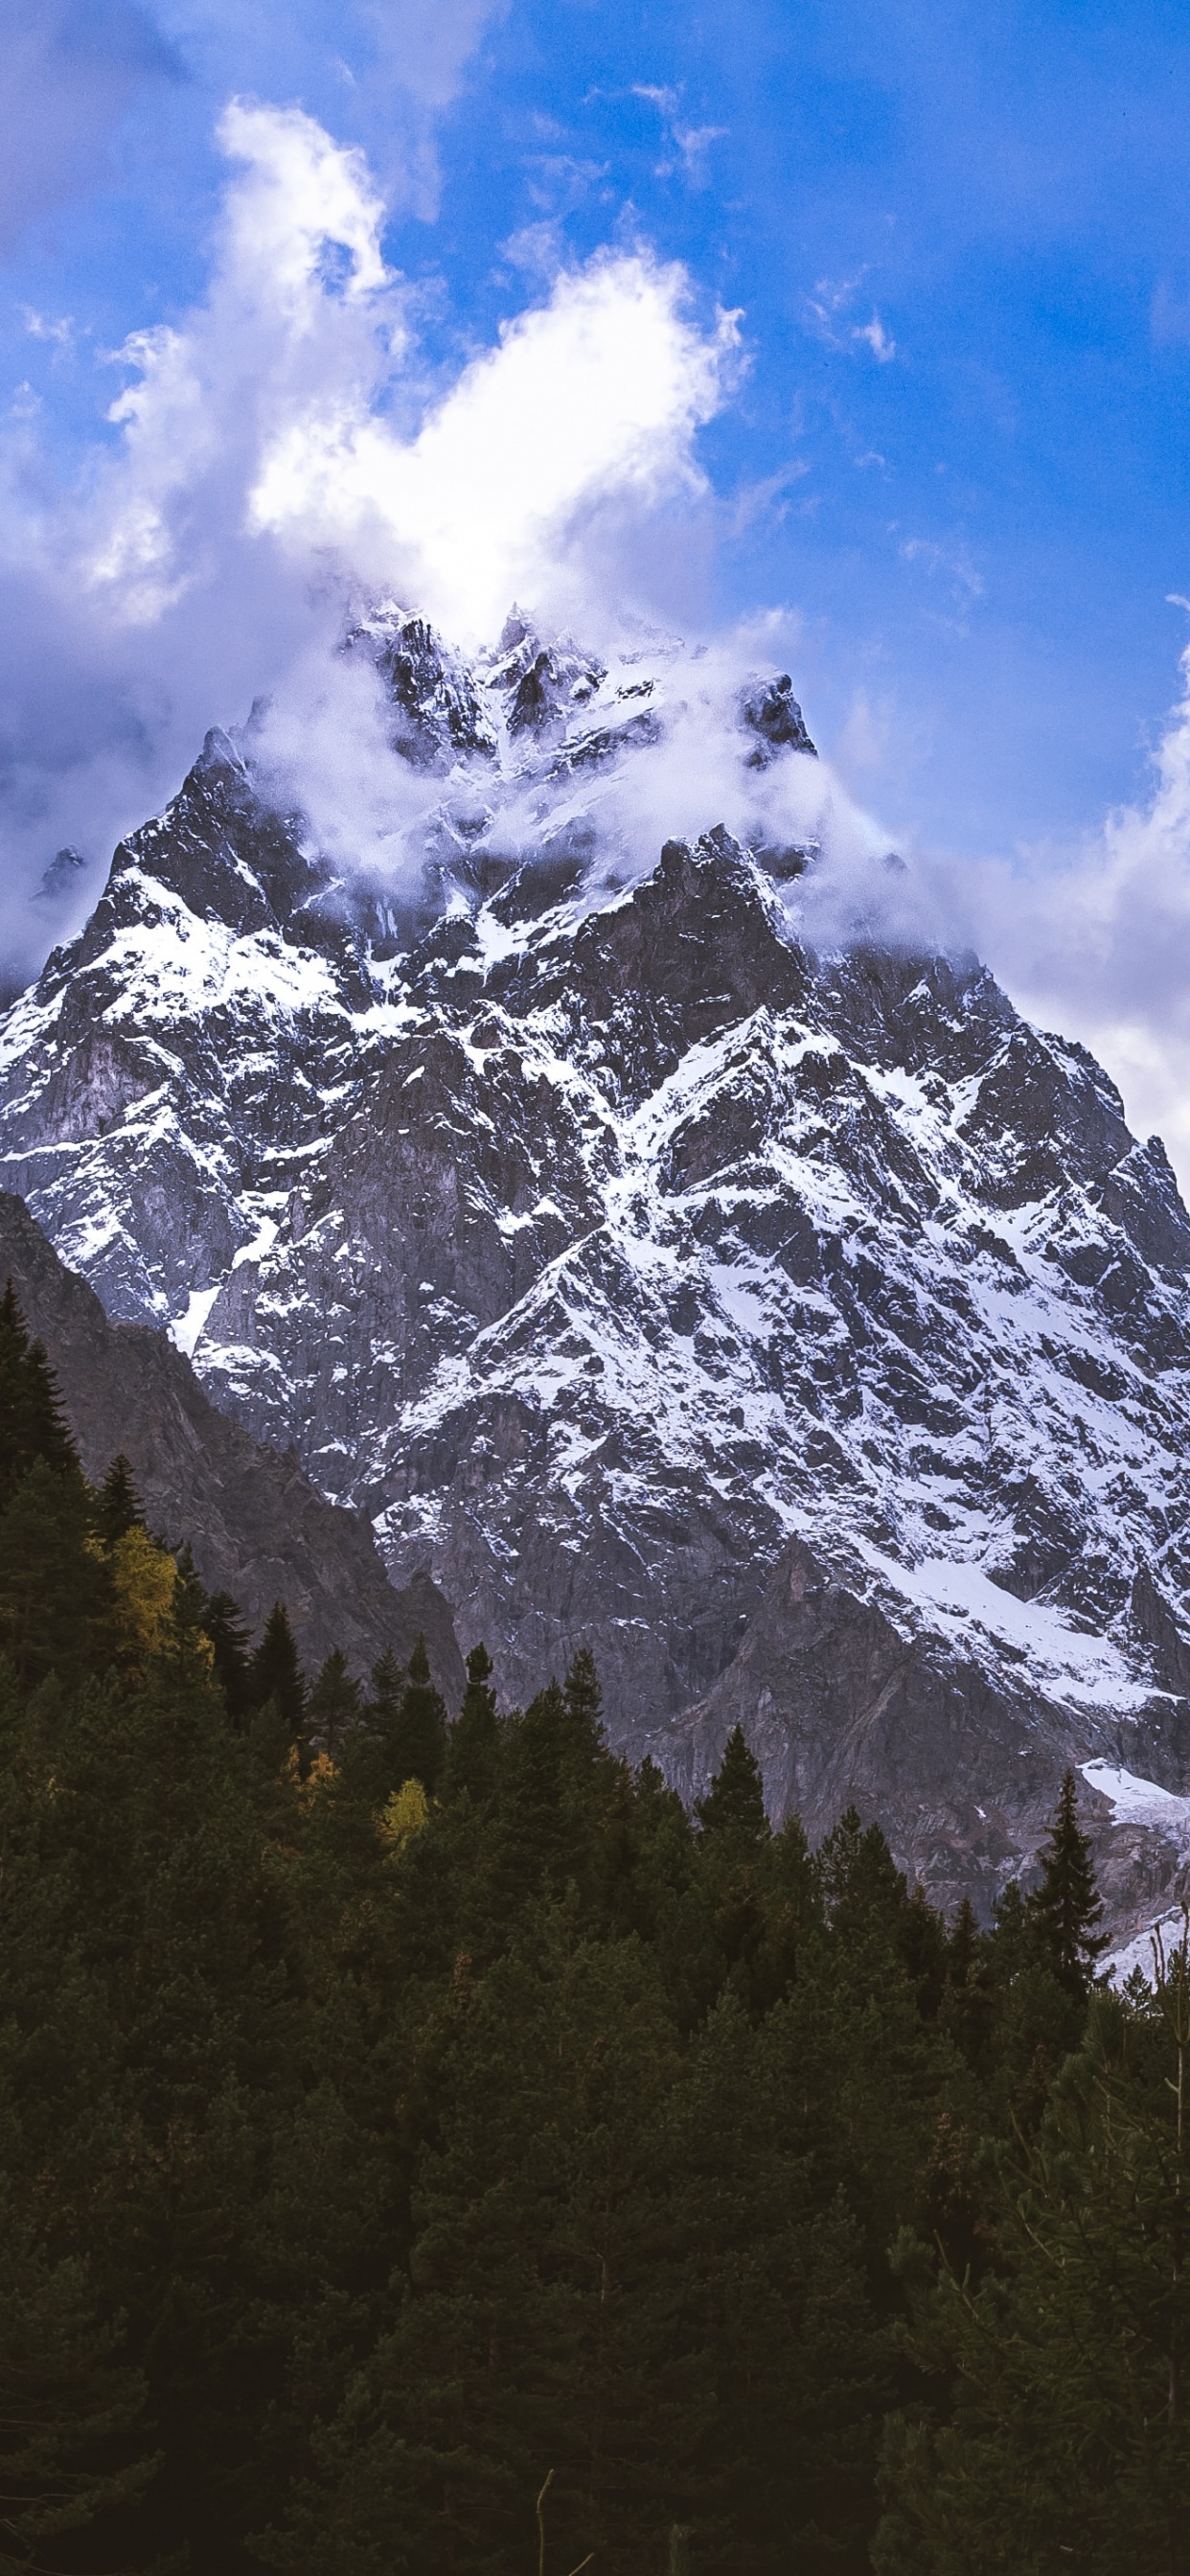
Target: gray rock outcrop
(255,1524)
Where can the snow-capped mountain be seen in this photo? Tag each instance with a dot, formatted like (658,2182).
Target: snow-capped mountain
(804,1331)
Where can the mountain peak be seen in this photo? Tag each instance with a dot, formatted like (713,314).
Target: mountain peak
(607,1248)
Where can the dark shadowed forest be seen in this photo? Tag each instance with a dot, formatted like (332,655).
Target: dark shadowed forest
(424,2146)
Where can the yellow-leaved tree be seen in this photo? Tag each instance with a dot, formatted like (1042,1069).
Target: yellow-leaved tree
(406,1812)
(144,1581)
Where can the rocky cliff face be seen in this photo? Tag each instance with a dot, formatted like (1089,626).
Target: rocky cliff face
(255,1524)
(806,1333)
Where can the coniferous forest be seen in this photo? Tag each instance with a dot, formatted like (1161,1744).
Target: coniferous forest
(424,2146)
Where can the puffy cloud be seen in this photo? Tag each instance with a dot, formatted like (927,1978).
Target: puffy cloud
(273,410)
(273,449)
(1097,944)
(300,320)
(596,394)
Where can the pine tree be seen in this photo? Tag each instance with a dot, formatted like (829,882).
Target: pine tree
(55,1592)
(117,1504)
(371,1753)
(473,1753)
(68,2401)
(32,1426)
(223,1624)
(968,2008)
(733,1848)
(539,1836)
(419,1735)
(278,1688)
(334,1707)
(733,1807)
(867,1902)
(583,1699)
(1063,2445)
(1066,1907)
(387,1682)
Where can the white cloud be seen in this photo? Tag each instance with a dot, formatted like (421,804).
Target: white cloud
(691,142)
(876,338)
(274,448)
(269,410)
(952,560)
(300,318)
(597,392)
(1098,946)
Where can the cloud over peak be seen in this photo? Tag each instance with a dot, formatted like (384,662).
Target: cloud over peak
(273,449)
(283,407)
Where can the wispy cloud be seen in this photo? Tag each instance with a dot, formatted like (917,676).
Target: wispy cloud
(691,143)
(1094,941)
(947,560)
(59,333)
(876,338)
(767,498)
(827,311)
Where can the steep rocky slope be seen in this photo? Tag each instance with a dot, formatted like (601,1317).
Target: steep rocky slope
(256,1526)
(804,1331)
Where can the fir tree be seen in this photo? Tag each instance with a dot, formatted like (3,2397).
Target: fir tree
(32,1426)
(117,1504)
(55,1593)
(222,1622)
(278,1688)
(968,2006)
(583,1700)
(384,1704)
(473,1753)
(733,1807)
(68,2400)
(334,1706)
(419,1735)
(1066,1907)
(370,1754)
(541,1834)
(864,1894)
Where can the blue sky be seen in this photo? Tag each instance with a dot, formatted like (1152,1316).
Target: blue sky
(951,447)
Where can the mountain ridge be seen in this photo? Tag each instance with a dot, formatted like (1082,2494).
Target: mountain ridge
(603,1240)
(254,1524)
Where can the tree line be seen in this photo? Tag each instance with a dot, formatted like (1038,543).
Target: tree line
(425,2146)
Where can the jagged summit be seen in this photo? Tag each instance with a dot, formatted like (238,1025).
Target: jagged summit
(807,1334)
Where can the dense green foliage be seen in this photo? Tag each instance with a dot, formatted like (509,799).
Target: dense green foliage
(396,2117)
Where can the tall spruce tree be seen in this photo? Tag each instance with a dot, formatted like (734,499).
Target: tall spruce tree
(419,1732)
(118,1507)
(278,1690)
(55,1593)
(583,1699)
(1065,1909)
(224,1625)
(334,1705)
(733,1807)
(32,1425)
(473,1753)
